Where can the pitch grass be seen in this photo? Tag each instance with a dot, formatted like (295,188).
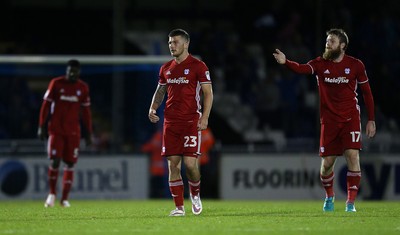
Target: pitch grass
(218,217)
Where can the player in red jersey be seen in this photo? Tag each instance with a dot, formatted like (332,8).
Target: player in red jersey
(186,80)
(66,98)
(338,76)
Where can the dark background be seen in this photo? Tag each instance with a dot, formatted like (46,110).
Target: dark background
(235,39)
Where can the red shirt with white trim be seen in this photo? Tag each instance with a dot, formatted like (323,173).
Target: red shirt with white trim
(183,88)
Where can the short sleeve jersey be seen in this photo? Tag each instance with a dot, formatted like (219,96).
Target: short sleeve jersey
(66,100)
(337,84)
(183,83)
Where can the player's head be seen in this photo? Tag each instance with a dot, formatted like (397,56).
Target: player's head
(341,35)
(178,42)
(336,43)
(73,70)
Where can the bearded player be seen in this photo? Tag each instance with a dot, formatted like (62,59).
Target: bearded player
(338,76)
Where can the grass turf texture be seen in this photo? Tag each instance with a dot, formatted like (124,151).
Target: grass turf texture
(218,217)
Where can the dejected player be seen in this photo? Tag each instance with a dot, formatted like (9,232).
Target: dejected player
(65,103)
(185,79)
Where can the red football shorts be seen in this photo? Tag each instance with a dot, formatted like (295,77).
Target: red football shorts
(64,147)
(337,137)
(181,139)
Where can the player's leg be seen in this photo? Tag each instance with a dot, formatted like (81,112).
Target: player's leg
(55,147)
(71,153)
(327,177)
(353,178)
(172,149)
(176,184)
(193,175)
(352,145)
(330,148)
(191,153)
(68,179)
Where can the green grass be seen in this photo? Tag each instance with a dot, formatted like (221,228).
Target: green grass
(218,217)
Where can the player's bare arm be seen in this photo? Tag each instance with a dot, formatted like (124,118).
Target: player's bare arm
(158,98)
(279,56)
(207,104)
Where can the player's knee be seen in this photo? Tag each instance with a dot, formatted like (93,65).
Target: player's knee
(69,165)
(55,163)
(192,166)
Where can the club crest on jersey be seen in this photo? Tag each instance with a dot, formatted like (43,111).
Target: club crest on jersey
(78,92)
(347,70)
(208,75)
(186,71)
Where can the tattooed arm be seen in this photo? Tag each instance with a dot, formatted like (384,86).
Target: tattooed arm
(158,98)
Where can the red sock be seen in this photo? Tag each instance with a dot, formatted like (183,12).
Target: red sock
(52,177)
(68,178)
(353,184)
(176,188)
(194,187)
(327,183)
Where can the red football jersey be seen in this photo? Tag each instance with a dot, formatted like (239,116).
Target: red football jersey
(337,84)
(67,99)
(183,88)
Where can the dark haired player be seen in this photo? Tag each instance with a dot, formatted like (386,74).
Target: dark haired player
(186,80)
(65,102)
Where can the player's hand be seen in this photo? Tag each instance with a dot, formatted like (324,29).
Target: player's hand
(41,133)
(153,116)
(279,56)
(88,140)
(203,123)
(371,129)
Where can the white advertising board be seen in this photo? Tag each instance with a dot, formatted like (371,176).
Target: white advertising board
(106,177)
(296,177)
